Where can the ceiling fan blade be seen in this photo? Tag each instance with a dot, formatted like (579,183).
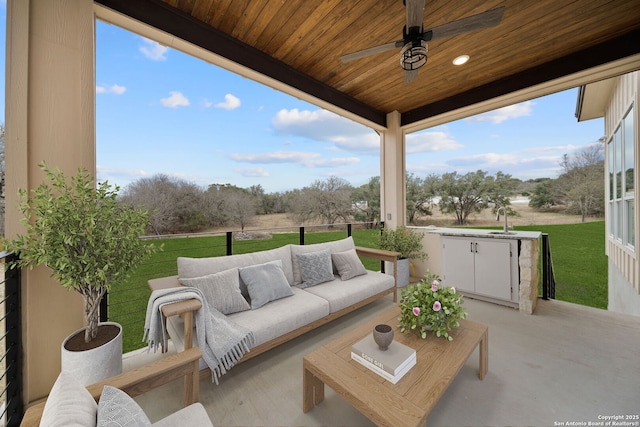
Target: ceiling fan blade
(410,75)
(371,51)
(480,21)
(415,13)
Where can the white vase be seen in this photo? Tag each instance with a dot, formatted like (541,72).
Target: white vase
(96,364)
(403,271)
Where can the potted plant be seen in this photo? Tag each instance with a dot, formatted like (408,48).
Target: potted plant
(429,306)
(408,243)
(90,241)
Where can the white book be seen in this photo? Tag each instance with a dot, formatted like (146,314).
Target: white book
(393,379)
(392,360)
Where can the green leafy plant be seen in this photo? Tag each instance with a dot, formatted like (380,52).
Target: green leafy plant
(81,232)
(430,306)
(401,239)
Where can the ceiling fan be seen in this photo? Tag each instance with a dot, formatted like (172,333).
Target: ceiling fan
(414,38)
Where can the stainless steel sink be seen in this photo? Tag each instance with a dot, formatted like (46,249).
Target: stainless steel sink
(502,232)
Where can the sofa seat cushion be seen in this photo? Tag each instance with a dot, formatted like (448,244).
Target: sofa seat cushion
(282,316)
(192,415)
(341,294)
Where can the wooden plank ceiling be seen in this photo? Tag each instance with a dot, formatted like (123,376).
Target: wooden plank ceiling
(300,43)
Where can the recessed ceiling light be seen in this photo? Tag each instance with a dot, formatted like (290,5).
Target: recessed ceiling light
(461,60)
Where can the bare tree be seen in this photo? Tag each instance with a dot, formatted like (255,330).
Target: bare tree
(582,183)
(366,202)
(329,201)
(240,207)
(175,205)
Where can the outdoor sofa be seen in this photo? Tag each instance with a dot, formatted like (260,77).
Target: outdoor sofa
(288,311)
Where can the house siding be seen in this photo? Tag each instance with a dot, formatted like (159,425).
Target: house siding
(624,286)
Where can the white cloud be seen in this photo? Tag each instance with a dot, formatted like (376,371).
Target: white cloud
(504,113)
(325,126)
(153,50)
(431,141)
(486,159)
(257,172)
(114,89)
(175,99)
(561,148)
(230,102)
(206,103)
(307,159)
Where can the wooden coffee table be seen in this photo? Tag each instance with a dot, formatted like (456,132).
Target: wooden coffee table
(407,403)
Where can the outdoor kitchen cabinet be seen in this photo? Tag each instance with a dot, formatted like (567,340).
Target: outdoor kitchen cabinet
(486,267)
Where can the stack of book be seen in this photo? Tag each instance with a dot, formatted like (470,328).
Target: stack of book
(391,364)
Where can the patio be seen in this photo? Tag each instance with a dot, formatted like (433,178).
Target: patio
(566,363)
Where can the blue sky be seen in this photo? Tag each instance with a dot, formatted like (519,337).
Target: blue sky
(161,111)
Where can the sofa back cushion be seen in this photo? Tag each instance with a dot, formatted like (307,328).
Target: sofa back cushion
(197,267)
(335,246)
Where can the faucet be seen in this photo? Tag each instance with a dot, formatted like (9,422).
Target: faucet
(504,212)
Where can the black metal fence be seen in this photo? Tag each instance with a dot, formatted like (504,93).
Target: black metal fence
(11,404)
(548,278)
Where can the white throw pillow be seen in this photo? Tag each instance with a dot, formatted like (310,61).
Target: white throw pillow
(348,264)
(69,404)
(221,290)
(117,409)
(265,283)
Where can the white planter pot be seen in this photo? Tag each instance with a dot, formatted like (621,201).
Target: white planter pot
(96,364)
(403,271)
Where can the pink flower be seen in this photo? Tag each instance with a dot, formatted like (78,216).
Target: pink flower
(437,306)
(434,287)
(416,311)
(435,282)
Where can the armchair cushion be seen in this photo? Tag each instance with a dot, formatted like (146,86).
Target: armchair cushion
(69,404)
(192,415)
(117,409)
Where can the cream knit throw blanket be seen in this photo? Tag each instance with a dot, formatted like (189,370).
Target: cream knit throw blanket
(222,341)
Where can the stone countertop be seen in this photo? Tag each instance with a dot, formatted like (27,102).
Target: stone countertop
(475,232)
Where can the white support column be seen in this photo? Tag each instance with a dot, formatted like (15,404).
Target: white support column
(392,173)
(50,103)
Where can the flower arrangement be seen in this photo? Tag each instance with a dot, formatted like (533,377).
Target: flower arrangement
(430,306)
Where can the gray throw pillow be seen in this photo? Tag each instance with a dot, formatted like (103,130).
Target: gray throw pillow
(315,268)
(348,264)
(265,283)
(221,290)
(69,404)
(117,409)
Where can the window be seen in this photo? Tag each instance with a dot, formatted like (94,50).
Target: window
(621,165)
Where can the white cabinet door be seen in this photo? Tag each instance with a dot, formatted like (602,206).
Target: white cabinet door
(477,265)
(493,268)
(458,263)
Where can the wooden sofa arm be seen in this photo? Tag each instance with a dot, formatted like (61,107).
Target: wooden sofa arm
(140,380)
(382,255)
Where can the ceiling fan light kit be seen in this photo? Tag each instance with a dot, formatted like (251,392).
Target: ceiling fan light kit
(413,55)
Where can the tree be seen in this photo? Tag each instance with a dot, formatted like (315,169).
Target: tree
(582,183)
(473,192)
(420,194)
(175,204)
(366,202)
(544,194)
(328,201)
(240,206)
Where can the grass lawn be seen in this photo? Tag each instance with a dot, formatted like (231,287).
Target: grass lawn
(577,250)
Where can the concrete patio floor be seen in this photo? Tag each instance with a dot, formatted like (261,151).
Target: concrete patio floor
(564,364)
